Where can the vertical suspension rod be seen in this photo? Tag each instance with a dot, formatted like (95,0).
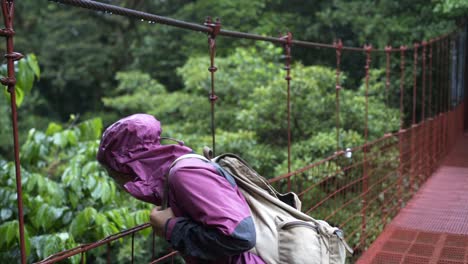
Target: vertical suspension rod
(423,102)
(424,125)
(287,67)
(439,77)
(216,27)
(401,132)
(432,143)
(339,47)
(402,84)
(388,50)
(415,79)
(451,46)
(365,187)
(8,9)
(430,77)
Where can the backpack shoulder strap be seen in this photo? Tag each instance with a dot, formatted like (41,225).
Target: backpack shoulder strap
(165,197)
(187,156)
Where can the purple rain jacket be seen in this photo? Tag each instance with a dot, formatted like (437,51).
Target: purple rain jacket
(212,222)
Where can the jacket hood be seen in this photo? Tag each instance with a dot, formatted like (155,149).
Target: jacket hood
(132,146)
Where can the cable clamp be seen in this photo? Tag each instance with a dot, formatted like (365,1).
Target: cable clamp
(338,44)
(16,56)
(7,81)
(213,97)
(288,39)
(7,32)
(214,25)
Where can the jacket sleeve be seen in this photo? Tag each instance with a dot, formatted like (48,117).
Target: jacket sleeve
(216,220)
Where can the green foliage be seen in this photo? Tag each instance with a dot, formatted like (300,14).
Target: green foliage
(26,71)
(163,71)
(250,87)
(68,198)
(386,22)
(311,92)
(452,8)
(84,49)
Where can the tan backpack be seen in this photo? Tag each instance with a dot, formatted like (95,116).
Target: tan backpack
(283,233)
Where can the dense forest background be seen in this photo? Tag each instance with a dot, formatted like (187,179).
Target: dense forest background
(86,69)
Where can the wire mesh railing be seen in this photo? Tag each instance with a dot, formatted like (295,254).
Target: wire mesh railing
(398,164)
(358,189)
(336,190)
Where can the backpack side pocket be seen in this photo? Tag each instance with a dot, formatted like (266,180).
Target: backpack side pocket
(299,242)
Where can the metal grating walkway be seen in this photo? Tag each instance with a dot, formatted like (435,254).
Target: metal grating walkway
(433,227)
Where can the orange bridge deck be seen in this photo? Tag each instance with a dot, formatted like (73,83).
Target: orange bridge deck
(433,227)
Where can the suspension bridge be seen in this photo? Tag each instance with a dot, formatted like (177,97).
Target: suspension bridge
(400,198)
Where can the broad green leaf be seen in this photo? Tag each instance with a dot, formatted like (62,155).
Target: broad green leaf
(116,217)
(71,137)
(74,199)
(34,65)
(91,129)
(57,212)
(25,76)
(11,231)
(97,192)
(89,169)
(53,128)
(67,217)
(5,213)
(3,229)
(105,192)
(19,95)
(91,183)
(109,229)
(41,183)
(82,222)
(43,217)
(60,139)
(142,216)
(89,213)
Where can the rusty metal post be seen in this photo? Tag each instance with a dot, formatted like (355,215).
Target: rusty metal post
(446,65)
(423,56)
(414,158)
(365,180)
(402,131)
(424,125)
(432,121)
(8,10)
(441,98)
(415,79)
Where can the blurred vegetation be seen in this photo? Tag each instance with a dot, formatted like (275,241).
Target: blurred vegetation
(86,69)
